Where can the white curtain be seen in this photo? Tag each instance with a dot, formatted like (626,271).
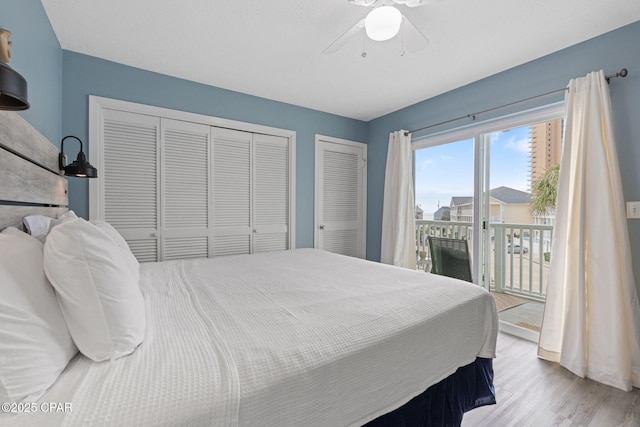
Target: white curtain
(398,246)
(591,322)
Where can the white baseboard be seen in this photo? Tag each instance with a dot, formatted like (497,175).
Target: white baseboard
(519,331)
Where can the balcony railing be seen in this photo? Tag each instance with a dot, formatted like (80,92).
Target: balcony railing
(519,254)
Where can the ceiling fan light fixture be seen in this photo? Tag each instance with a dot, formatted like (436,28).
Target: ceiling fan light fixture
(383,23)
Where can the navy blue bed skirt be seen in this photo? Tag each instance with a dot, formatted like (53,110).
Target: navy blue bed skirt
(444,403)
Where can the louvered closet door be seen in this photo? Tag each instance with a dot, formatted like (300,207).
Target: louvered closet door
(129,178)
(231,191)
(270,193)
(340,198)
(185,213)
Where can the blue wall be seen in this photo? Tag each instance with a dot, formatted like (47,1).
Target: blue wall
(37,56)
(610,52)
(85,75)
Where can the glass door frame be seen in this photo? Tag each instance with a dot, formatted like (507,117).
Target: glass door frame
(480,132)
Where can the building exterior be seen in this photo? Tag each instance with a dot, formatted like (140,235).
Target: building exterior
(546,150)
(442,214)
(507,205)
(461,209)
(419,212)
(545,143)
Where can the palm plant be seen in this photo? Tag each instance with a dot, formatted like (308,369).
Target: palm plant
(543,195)
(544,192)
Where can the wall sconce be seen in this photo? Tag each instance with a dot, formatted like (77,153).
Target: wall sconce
(13,87)
(80,168)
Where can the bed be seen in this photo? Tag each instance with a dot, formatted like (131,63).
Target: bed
(300,337)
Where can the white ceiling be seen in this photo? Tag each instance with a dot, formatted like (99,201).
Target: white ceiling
(273,48)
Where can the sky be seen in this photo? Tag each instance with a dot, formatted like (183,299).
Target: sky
(446,171)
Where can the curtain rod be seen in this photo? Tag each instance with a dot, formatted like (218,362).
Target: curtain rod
(621,73)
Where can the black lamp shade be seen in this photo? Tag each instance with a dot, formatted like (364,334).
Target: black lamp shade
(13,89)
(80,167)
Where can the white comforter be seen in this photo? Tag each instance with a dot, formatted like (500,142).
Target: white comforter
(290,338)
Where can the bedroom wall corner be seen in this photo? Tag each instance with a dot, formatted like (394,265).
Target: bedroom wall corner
(37,56)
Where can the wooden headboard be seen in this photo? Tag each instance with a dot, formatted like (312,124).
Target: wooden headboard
(30,180)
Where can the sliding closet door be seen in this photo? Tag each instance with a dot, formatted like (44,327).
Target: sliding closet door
(186,206)
(231,191)
(176,187)
(270,193)
(129,175)
(155,174)
(251,191)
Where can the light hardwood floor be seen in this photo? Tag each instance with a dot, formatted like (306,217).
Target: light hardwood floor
(533,392)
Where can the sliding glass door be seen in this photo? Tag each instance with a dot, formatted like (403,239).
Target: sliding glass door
(475,183)
(448,179)
(444,176)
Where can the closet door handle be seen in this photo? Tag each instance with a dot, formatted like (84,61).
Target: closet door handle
(322,227)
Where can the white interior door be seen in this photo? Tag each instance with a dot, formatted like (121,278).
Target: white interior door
(185,202)
(270,210)
(340,196)
(129,168)
(231,191)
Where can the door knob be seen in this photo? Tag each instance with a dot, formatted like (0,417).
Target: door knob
(322,227)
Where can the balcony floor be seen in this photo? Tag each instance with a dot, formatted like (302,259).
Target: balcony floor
(523,320)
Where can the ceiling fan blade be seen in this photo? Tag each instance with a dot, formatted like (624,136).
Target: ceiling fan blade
(363,2)
(416,3)
(344,38)
(413,39)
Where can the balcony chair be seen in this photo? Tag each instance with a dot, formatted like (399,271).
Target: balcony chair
(450,257)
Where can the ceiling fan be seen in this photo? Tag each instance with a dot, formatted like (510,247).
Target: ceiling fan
(384,22)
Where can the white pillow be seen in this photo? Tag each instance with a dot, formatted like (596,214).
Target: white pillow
(97,289)
(35,344)
(65,217)
(122,244)
(39,226)
(17,232)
